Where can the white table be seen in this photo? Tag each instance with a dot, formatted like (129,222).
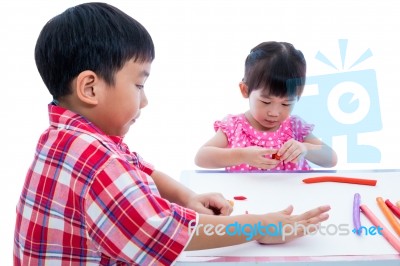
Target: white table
(273,191)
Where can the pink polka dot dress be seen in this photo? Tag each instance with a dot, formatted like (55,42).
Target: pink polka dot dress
(240,133)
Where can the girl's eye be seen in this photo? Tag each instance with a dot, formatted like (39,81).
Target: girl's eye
(140,87)
(265,102)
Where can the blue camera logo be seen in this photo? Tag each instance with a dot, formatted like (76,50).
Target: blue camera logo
(345,103)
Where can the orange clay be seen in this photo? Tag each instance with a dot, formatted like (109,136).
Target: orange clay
(340,179)
(389,215)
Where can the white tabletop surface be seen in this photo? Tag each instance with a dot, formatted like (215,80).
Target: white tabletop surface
(269,192)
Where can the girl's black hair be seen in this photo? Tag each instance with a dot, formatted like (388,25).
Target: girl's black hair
(277,67)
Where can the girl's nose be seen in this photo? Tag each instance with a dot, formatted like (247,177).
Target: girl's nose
(273,112)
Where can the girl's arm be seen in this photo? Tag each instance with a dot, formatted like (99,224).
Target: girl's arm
(319,153)
(213,154)
(216,154)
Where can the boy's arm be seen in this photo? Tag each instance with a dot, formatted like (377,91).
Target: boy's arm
(211,231)
(176,192)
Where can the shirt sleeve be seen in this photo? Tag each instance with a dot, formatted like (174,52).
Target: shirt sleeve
(142,164)
(137,160)
(227,125)
(301,128)
(130,222)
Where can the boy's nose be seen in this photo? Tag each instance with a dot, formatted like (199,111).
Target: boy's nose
(143,100)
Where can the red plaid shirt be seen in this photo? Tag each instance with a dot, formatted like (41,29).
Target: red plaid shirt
(87,200)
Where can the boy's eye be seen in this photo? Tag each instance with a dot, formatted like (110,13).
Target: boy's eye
(265,102)
(140,87)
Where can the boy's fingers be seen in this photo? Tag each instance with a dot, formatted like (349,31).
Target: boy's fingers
(205,210)
(288,210)
(313,213)
(306,229)
(226,210)
(314,221)
(221,206)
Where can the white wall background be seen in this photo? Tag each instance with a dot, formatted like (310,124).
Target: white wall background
(200,52)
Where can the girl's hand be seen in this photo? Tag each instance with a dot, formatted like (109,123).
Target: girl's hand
(255,156)
(292,151)
(294,226)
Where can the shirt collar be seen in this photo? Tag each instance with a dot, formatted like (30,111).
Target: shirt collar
(62,118)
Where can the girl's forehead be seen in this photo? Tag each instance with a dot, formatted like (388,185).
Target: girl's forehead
(265,93)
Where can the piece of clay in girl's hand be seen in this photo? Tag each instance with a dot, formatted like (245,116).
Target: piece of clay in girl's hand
(276,156)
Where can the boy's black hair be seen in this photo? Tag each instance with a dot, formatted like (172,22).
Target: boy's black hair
(277,67)
(91,36)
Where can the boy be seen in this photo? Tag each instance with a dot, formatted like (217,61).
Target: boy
(87,199)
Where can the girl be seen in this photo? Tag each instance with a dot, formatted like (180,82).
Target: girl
(267,136)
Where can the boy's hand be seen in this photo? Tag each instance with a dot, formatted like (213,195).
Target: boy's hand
(312,217)
(210,203)
(255,156)
(292,151)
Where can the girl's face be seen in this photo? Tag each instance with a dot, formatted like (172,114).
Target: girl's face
(267,111)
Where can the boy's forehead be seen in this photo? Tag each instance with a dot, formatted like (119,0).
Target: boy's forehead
(139,68)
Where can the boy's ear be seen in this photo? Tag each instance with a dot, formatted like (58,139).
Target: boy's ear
(244,89)
(86,83)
